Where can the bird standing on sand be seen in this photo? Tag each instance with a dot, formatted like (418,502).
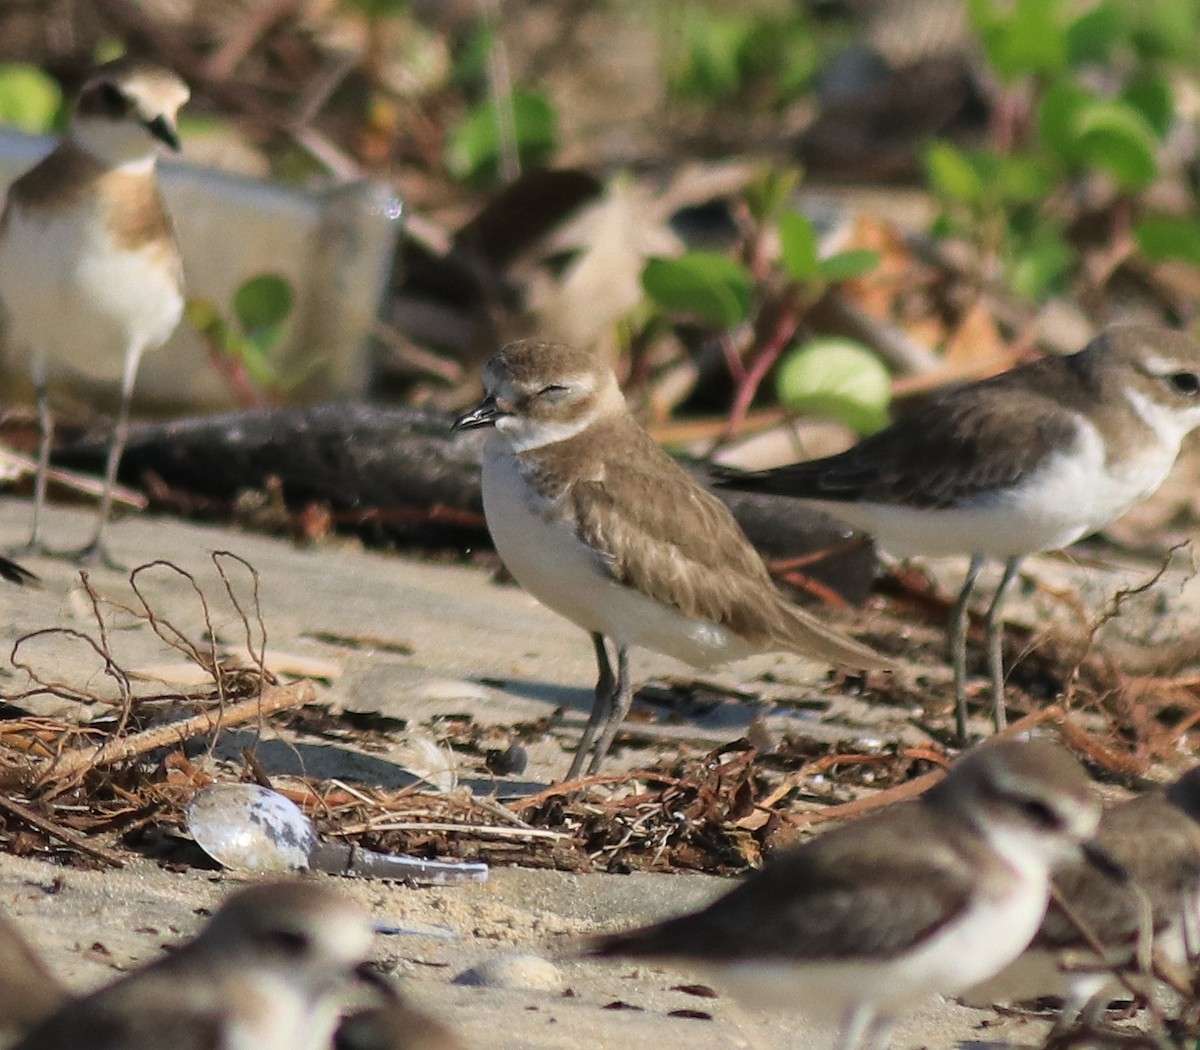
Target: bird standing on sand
(1029,460)
(928,897)
(260,975)
(90,275)
(601,525)
(1156,839)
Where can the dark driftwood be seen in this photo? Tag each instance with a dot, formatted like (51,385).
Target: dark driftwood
(400,476)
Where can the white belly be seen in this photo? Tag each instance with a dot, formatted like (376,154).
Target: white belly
(548,560)
(1069,498)
(71,295)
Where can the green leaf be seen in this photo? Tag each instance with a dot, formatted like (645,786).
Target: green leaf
(708,286)
(1028,39)
(951,175)
(1164,29)
(1040,266)
(845,266)
(767,195)
(1026,179)
(1058,118)
(29,99)
(262,306)
(716,46)
(1160,238)
(1114,137)
(839,378)
(1151,96)
(473,147)
(263,301)
(798,246)
(1092,36)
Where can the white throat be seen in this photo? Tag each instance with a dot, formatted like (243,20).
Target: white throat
(1170,425)
(524,435)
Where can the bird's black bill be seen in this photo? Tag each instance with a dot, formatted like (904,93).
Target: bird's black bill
(483,414)
(161,130)
(1104,862)
(18,574)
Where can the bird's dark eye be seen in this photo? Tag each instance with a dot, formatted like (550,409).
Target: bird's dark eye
(287,943)
(113,99)
(1185,383)
(554,392)
(1040,814)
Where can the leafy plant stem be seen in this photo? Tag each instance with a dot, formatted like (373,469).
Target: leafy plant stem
(236,377)
(781,335)
(501,87)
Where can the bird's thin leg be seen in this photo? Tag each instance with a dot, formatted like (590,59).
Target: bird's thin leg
(606,686)
(95,550)
(41,385)
(880,1033)
(958,645)
(857,1029)
(995,641)
(618,709)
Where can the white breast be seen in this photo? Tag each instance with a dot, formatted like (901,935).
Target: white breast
(71,294)
(1072,495)
(989,934)
(550,561)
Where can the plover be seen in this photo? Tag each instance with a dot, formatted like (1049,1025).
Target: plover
(90,275)
(1029,460)
(1156,839)
(29,992)
(259,975)
(928,897)
(601,525)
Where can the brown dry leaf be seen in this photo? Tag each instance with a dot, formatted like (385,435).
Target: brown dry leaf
(977,340)
(603,284)
(876,291)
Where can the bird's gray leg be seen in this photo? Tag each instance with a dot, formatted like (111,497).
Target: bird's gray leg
(880,1033)
(858,1026)
(622,700)
(37,368)
(958,645)
(95,550)
(995,641)
(606,686)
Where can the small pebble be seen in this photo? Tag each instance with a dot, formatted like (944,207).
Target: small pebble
(519,971)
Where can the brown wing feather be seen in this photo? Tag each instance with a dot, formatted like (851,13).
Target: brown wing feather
(856,891)
(685,549)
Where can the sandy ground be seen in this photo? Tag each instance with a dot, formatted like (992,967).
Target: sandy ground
(468,645)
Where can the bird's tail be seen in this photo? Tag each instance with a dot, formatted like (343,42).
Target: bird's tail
(801,632)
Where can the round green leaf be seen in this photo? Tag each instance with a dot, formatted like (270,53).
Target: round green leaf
(263,302)
(708,286)
(1092,36)
(1114,137)
(838,378)
(29,99)
(1161,237)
